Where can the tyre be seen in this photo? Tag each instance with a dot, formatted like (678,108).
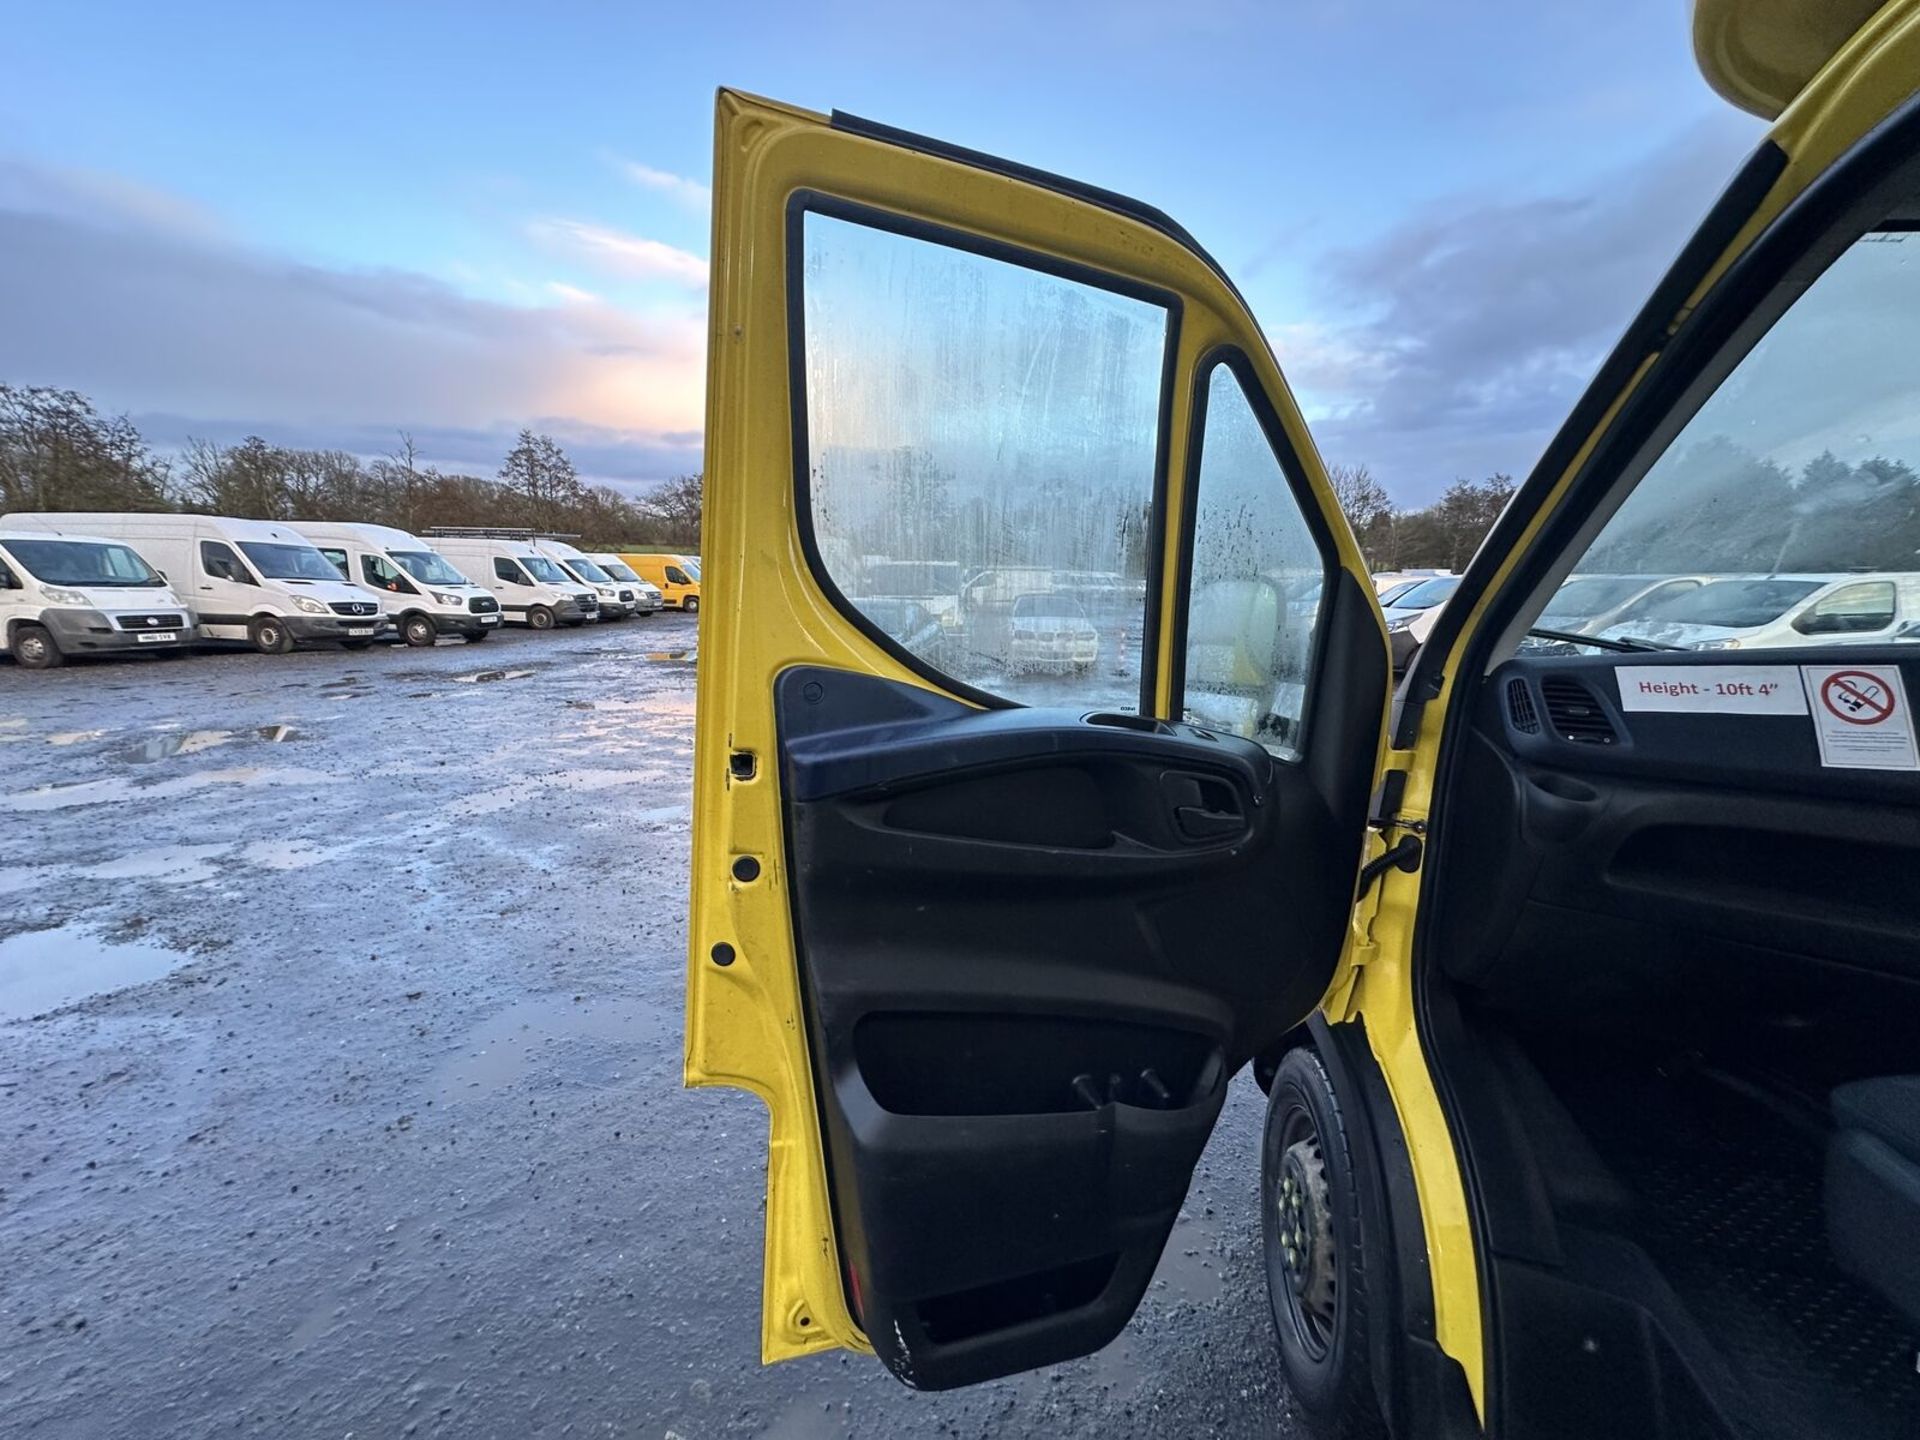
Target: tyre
(691,604)
(1315,1252)
(270,635)
(540,617)
(419,631)
(474,637)
(34,648)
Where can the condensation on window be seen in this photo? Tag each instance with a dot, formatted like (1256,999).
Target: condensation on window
(1257,581)
(1796,480)
(981,446)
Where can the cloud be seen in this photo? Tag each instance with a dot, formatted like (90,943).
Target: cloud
(632,256)
(115,293)
(1455,343)
(691,194)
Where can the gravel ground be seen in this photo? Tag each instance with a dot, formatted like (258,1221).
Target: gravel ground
(340,1030)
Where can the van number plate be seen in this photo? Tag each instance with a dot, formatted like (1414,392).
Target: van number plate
(149,637)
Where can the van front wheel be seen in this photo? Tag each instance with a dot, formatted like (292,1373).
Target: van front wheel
(691,604)
(420,631)
(540,617)
(270,635)
(1315,1253)
(34,648)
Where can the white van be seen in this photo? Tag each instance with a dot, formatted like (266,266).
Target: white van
(1764,612)
(617,601)
(64,595)
(425,597)
(650,599)
(252,580)
(531,587)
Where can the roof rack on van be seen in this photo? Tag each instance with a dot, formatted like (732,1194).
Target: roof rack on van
(497,532)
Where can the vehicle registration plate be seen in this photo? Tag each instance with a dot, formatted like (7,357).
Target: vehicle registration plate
(148,637)
(359,629)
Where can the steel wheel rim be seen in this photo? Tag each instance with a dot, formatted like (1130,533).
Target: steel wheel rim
(33,647)
(1303,1233)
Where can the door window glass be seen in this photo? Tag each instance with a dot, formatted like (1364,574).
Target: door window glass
(677,576)
(505,569)
(383,576)
(336,558)
(217,560)
(1800,472)
(1850,610)
(1258,577)
(981,452)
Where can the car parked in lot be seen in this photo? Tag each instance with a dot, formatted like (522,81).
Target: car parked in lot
(1409,608)
(1758,612)
(257,581)
(1583,985)
(1050,633)
(423,594)
(74,594)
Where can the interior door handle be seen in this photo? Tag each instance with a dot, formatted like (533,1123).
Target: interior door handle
(1198,823)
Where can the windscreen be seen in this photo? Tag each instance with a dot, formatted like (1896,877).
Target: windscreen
(427,566)
(288,562)
(542,568)
(1736,604)
(82,562)
(619,571)
(586,570)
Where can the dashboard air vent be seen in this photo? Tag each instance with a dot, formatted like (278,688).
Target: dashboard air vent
(1520,708)
(1575,713)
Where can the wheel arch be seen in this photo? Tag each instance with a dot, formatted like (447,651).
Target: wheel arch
(1422,1391)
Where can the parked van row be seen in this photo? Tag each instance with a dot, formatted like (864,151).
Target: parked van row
(79,583)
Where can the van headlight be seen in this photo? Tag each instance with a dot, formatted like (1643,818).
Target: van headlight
(1394,627)
(63,597)
(312,607)
(442,599)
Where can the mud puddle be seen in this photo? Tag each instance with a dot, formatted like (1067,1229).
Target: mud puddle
(44,970)
(195,742)
(504,1048)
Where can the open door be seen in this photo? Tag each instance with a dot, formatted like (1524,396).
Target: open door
(1041,693)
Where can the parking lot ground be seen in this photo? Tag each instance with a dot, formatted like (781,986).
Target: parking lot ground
(340,1041)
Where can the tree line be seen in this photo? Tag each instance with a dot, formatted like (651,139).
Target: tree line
(57,452)
(1440,536)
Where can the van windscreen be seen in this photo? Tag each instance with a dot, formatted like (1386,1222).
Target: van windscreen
(82,562)
(288,562)
(427,566)
(585,569)
(542,568)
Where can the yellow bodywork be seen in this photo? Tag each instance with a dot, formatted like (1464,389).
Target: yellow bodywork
(745,1024)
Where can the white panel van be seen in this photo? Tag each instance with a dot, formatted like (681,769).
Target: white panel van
(531,587)
(650,599)
(618,599)
(257,581)
(64,595)
(424,596)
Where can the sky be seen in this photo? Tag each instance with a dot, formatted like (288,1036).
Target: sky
(326,224)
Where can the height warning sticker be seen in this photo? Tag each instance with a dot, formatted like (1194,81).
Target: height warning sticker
(1860,716)
(1711,689)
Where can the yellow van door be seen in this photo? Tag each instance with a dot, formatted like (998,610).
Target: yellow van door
(1039,706)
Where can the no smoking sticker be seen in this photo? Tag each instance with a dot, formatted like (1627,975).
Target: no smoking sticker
(1860,716)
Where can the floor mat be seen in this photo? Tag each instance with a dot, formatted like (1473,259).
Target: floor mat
(1731,1212)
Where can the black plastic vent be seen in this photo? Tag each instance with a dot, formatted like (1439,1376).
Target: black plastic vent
(1520,708)
(1575,713)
